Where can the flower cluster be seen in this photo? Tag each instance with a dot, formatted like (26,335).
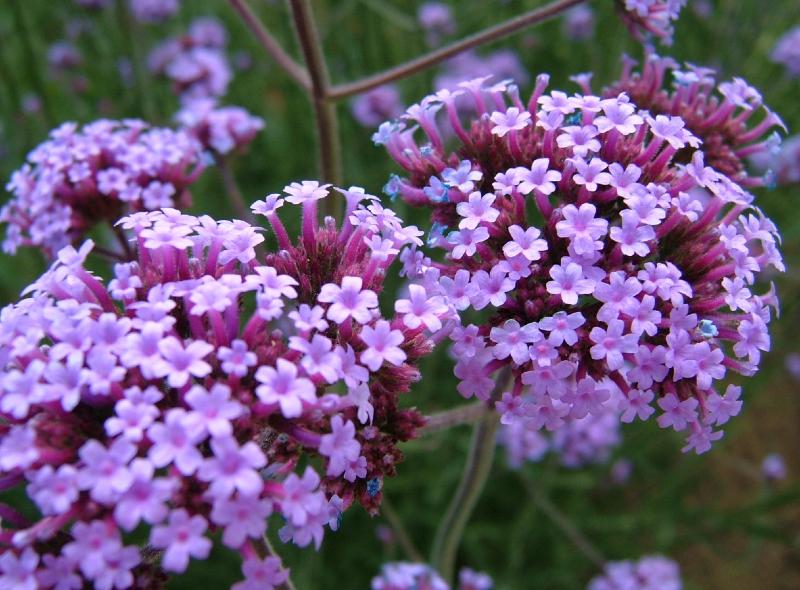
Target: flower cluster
(579,23)
(650,17)
(195,62)
(378,105)
(578,442)
(221,130)
(183,393)
(153,11)
(419,576)
(502,63)
(592,242)
(654,572)
(718,113)
(787,52)
(781,162)
(82,176)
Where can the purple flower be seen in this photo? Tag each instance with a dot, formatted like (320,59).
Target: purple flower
(349,300)
(181,538)
(281,385)
(382,346)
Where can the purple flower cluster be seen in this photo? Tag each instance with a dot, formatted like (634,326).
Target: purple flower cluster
(782,162)
(578,442)
(718,113)
(82,176)
(787,52)
(502,64)
(654,572)
(773,467)
(184,392)
(195,62)
(597,244)
(650,17)
(378,105)
(419,576)
(153,11)
(221,130)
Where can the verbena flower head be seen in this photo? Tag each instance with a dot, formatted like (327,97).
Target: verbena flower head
(153,11)
(653,572)
(787,52)
(781,163)
(646,18)
(63,55)
(589,242)
(729,117)
(587,439)
(376,106)
(773,467)
(419,576)
(221,130)
(579,23)
(183,394)
(82,176)
(195,62)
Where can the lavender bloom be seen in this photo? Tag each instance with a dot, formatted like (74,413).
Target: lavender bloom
(579,23)
(195,62)
(159,398)
(729,118)
(63,55)
(649,573)
(650,17)
(787,52)
(773,467)
(83,176)
(419,576)
(436,19)
(502,64)
(636,286)
(153,11)
(221,130)
(379,104)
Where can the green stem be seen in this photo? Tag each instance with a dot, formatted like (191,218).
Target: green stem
(400,531)
(570,530)
(266,549)
(235,197)
(423,62)
(325,112)
(473,479)
(271,45)
(453,417)
(132,38)
(31,61)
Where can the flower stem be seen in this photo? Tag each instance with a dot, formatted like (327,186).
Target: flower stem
(264,547)
(31,61)
(132,39)
(399,529)
(418,64)
(476,472)
(324,110)
(285,61)
(570,530)
(453,417)
(233,192)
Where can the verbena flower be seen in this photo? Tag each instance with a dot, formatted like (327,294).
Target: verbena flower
(729,117)
(195,62)
(773,467)
(653,572)
(221,130)
(579,23)
(787,52)
(634,264)
(379,104)
(183,394)
(645,18)
(82,176)
(419,576)
(153,11)
(436,19)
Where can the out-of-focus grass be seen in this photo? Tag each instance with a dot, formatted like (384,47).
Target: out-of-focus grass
(723,525)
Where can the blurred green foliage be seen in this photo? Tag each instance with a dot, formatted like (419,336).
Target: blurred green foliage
(712,513)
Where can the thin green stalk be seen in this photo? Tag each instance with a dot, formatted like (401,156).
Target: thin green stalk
(473,479)
(266,549)
(285,61)
(411,551)
(132,38)
(325,111)
(32,64)
(453,417)
(423,62)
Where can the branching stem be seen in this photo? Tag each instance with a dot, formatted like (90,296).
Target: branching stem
(423,62)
